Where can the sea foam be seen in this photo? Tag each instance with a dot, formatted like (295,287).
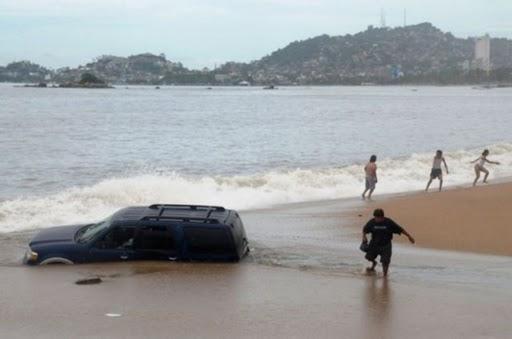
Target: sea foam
(91,203)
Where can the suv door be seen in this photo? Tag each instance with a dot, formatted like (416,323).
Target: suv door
(156,241)
(115,245)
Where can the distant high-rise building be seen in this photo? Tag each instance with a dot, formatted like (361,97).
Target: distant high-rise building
(483,53)
(382,18)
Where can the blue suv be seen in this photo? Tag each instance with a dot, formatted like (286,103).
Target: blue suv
(156,232)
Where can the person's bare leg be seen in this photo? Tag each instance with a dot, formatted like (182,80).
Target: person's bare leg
(440,184)
(364,193)
(385,268)
(477,172)
(428,184)
(372,268)
(370,194)
(486,175)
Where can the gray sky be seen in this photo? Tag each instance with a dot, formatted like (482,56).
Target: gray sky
(205,32)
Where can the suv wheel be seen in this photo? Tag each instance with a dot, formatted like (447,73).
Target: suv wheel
(56,260)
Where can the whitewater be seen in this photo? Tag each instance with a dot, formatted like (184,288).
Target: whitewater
(92,203)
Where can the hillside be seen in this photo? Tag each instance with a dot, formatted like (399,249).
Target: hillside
(413,54)
(377,54)
(24,71)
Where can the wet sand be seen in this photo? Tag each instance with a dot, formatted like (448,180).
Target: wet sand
(304,278)
(218,301)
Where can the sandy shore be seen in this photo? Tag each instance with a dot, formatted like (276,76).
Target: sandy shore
(304,278)
(465,219)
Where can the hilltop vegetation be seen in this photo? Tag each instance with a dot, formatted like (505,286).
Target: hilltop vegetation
(24,71)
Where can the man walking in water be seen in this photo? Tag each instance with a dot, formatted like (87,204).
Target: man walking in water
(382,230)
(436,171)
(370,171)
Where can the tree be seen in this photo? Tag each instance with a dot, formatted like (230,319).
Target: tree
(89,78)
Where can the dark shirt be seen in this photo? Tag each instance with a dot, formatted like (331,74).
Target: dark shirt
(382,232)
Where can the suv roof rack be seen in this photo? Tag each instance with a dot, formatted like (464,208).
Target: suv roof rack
(184,219)
(188,207)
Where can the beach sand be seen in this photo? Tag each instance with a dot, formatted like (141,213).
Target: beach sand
(475,219)
(304,278)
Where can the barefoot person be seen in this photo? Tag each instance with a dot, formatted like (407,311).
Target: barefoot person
(479,166)
(382,230)
(436,171)
(370,171)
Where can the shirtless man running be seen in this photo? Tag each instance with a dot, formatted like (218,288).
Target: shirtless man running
(370,171)
(436,171)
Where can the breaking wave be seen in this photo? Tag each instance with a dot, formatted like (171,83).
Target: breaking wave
(85,204)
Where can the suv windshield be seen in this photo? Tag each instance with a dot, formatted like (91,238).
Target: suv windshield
(89,232)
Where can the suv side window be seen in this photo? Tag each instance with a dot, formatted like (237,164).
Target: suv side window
(155,237)
(207,240)
(117,238)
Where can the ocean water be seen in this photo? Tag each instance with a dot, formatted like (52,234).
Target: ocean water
(73,155)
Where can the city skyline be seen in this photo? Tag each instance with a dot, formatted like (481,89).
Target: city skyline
(59,33)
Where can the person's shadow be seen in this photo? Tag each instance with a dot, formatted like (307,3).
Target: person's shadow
(378,305)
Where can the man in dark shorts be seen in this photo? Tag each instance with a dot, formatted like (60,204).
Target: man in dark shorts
(437,172)
(382,230)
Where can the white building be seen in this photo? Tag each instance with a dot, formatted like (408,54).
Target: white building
(222,77)
(483,53)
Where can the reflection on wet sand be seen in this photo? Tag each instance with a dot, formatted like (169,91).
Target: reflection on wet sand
(378,297)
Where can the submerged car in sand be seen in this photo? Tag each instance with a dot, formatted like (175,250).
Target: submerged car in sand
(156,232)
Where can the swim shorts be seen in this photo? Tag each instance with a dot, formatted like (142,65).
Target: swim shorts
(370,183)
(436,173)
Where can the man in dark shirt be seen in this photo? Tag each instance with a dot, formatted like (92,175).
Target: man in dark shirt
(382,230)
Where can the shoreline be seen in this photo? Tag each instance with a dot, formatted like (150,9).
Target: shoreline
(402,207)
(357,211)
(494,85)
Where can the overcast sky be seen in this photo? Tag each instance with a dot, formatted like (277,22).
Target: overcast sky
(202,33)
